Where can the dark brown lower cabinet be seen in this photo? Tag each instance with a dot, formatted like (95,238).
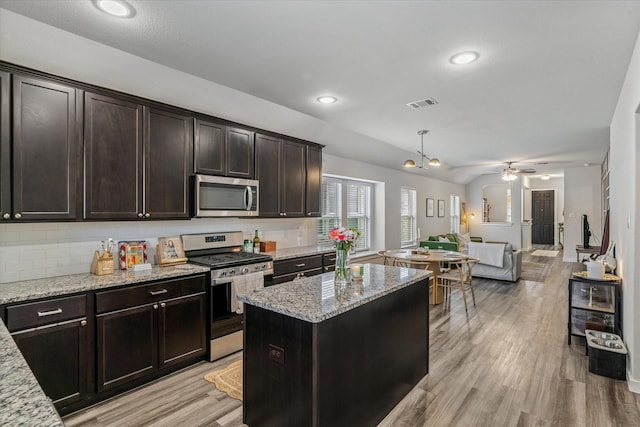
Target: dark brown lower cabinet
(59,357)
(126,342)
(140,341)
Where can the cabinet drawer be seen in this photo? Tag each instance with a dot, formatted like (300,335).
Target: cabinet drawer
(144,294)
(40,313)
(281,268)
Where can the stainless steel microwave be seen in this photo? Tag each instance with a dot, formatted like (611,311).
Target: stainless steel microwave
(222,196)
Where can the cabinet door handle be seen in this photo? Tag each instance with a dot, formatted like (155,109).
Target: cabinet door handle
(160,292)
(18,216)
(147,215)
(83,323)
(163,305)
(300,265)
(6,216)
(50,312)
(155,306)
(140,215)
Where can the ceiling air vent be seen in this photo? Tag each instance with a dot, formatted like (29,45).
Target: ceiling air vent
(422,103)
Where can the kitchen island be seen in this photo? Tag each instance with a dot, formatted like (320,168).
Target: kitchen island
(321,354)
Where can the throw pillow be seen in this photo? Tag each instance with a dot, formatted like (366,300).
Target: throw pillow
(452,237)
(443,239)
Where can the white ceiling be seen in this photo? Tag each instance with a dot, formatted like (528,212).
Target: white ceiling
(543,91)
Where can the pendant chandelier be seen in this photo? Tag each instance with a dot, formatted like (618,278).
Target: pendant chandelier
(432,161)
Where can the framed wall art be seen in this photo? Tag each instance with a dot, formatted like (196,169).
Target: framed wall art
(440,208)
(429,207)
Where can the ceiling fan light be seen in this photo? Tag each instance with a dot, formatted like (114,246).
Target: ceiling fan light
(508,176)
(434,162)
(409,164)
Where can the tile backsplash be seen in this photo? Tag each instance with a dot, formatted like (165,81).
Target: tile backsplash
(38,250)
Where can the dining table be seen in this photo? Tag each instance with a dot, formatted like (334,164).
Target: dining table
(436,259)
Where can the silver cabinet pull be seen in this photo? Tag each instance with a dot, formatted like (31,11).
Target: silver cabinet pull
(140,215)
(6,216)
(160,292)
(83,323)
(17,216)
(147,215)
(50,312)
(155,306)
(163,305)
(300,265)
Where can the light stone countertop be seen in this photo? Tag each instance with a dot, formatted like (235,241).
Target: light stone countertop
(317,298)
(22,401)
(74,283)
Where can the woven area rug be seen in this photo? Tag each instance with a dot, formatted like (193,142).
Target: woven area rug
(540,252)
(535,271)
(228,380)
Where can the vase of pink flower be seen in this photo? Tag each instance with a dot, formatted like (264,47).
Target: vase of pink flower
(345,239)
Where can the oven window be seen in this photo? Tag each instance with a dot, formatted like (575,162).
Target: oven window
(223,321)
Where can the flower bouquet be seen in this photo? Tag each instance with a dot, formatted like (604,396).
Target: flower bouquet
(345,239)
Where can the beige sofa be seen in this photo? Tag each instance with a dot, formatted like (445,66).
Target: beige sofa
(511,266)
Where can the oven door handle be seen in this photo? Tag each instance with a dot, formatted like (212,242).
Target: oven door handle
(217,282)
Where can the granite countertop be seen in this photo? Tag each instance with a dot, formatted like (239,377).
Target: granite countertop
(21,398)
(282,254)
(74,283)
(317,298)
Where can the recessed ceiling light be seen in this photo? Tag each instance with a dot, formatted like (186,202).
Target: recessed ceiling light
(545,177)
(326,99)
(118,8)
(463,58)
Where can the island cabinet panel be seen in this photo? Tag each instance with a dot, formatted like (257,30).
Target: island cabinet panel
(222,150)
(350,369)
(145,329)
(55,337)
(45,148)
(137,160)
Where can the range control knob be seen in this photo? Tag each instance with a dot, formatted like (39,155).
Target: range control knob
(244,270)
(232,271)
(223,273)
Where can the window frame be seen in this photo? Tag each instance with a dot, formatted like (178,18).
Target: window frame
(413,216)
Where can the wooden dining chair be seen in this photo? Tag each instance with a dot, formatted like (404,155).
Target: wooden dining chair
(458,277)
(385,259)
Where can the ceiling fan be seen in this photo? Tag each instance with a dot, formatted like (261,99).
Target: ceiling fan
(509,173)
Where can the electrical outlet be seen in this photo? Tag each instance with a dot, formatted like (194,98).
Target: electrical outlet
(276,354)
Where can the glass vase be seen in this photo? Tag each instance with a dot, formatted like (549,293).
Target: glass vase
(342,264)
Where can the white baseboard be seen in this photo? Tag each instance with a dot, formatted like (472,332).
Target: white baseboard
(634,384)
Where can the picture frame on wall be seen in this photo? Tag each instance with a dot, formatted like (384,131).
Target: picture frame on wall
(440,208)
(429,207)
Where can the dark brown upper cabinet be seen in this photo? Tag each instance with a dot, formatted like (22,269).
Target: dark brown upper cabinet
(137,160)
(281,170)
(222,150)
(314,181)
(40,178)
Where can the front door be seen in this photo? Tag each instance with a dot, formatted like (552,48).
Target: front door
(542,214)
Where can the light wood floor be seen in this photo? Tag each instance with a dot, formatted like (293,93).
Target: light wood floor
(506,363)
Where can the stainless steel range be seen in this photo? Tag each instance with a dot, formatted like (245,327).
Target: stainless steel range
(222,252)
